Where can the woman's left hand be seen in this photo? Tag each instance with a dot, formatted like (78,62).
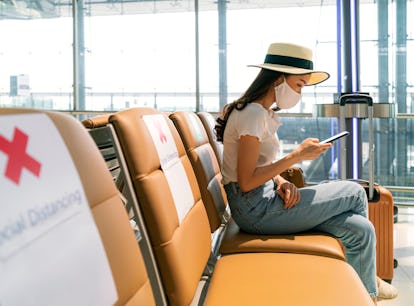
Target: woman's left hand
(289,193)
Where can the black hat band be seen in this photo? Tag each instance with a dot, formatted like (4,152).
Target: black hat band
(288,61)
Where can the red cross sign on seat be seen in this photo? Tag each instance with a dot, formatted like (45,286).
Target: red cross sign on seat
(163,137)
(18,158)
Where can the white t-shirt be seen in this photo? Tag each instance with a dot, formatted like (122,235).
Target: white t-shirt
(253,120)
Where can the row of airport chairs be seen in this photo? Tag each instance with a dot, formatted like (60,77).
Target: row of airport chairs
(202,257)
(153,184)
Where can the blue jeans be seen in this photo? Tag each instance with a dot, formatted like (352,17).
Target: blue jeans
(339,208)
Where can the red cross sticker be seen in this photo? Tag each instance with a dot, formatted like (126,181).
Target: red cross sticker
(18,158)
(163,137)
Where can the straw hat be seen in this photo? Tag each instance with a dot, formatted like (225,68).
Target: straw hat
(292,59)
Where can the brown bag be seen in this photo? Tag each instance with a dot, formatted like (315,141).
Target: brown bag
(295,176)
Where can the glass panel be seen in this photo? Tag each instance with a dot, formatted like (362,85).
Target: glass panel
(294,130)
(143,59)
(36,55)
(251,31)
(209,59)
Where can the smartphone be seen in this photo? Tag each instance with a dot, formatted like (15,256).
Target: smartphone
(335,137)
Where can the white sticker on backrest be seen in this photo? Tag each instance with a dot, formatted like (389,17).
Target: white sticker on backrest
(196,128)
(50,249)
(171,164)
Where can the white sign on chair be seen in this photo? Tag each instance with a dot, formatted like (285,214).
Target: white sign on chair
(50,248)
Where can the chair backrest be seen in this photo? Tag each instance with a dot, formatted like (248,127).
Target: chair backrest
(169,198)
(205,164)
(96,121)
(112,223)
(106,140)
(98,128)
(209,121)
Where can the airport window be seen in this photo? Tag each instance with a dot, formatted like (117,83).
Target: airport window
(106,56)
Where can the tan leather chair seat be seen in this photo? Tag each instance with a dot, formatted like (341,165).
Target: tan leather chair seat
(315,243)
(284,279)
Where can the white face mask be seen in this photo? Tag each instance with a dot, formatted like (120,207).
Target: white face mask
(286,97)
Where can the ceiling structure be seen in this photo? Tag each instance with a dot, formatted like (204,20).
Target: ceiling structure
(31,9)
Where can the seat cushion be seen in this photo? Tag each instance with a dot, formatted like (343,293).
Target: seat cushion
(269,279)
(316,243)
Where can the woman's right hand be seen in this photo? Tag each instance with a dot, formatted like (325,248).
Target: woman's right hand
(310,149)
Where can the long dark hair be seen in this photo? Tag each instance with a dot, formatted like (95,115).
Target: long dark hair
(257,90)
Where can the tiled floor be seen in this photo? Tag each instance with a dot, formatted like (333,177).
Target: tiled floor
(404,253)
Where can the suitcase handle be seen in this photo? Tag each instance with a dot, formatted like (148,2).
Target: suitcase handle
(356,98)
(373,194)
(362,182)
(367,99)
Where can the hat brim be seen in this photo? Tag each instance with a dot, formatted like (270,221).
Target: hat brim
(316,76)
